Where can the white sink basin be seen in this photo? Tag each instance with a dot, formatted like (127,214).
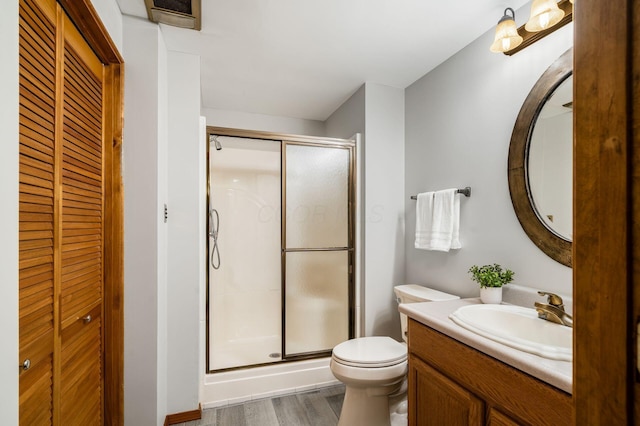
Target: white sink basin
(519,328)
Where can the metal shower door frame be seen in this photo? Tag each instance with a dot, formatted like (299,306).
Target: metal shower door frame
(349,144)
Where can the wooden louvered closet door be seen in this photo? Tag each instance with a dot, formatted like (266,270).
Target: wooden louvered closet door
(61,221)
(37,130)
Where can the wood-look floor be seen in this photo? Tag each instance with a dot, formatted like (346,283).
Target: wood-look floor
(314,408)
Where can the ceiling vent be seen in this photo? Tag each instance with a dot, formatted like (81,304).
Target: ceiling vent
(179,13)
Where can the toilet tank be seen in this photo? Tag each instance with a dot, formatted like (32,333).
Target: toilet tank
(414,293)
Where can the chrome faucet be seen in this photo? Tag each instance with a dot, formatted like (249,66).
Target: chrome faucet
(553,310)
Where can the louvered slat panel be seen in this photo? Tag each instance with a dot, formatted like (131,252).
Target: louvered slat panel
(32,75)
(27,151)
(28,45)
(87,132)
(81,202)
(36,405)
(73,159)
(37,325)
(82,370)
(82,242)
(27,244)
(35,186)
(36,168)
(37,118)
(77,135)
(76,108)
(34,140)
(82,146)
(79,182)
(34,112)
(87,71)
(37,143)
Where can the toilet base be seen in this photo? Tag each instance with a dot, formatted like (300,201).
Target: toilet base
(399,408)
(367,406)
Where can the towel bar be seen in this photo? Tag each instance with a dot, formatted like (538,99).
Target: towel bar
(466,191)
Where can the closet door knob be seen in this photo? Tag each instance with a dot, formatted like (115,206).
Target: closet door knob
(26,364)
(87,319)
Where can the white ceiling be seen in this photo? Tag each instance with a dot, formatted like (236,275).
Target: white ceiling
(303,58)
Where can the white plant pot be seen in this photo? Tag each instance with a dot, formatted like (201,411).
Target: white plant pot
(491,294)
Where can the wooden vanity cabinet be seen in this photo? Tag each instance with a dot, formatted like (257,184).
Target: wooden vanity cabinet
(451,383)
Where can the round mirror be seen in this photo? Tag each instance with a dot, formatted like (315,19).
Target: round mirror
(550,162)
(540,161)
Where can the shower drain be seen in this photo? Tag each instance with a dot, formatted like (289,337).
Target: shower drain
(274,355)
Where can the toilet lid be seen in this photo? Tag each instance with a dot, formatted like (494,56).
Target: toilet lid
(378,351)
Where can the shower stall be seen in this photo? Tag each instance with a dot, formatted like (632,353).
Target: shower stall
(281,254)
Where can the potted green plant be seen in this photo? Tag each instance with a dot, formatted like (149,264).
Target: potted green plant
(491,279)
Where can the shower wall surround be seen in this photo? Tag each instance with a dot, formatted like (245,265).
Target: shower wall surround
(244,307)
(459,119)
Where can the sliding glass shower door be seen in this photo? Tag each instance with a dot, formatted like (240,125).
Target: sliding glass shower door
(280,250)
(316,249)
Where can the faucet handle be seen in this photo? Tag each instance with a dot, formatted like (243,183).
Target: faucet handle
(552,298)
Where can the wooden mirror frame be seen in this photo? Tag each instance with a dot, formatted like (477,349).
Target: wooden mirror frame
(548,241)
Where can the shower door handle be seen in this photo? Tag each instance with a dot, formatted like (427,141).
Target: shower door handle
(214,227)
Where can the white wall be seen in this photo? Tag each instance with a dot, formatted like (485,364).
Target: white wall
(162,228)
(384,208)
(144,299)
(459,119)
(184,240)
(9,214)
(261,122)
(377,112)
(162,260)
(349,118)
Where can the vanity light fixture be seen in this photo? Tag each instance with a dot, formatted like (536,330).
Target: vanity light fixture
(546,17)
(544,14)
(507,36)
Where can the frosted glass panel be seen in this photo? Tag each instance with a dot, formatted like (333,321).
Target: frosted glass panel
(245,291)
(317,196)
(317,300)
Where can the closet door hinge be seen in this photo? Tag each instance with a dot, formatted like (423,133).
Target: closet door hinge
(166,213)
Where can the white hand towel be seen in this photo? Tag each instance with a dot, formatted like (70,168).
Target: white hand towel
(438,220)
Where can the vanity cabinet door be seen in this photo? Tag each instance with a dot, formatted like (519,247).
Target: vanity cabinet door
(497,418)
(436,400)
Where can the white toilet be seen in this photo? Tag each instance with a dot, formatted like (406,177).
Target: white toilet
(373,368)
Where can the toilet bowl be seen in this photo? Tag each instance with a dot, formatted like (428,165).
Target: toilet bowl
(374,368)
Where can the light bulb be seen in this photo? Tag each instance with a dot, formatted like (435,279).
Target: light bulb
(543,20)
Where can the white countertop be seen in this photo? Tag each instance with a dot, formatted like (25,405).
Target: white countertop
(436,316)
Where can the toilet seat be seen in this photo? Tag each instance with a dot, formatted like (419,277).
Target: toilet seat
(370,352)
